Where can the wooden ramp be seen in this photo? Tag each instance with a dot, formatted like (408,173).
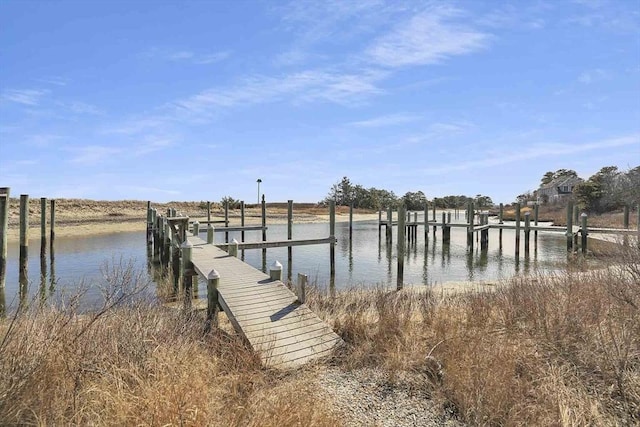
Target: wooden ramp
(283,331)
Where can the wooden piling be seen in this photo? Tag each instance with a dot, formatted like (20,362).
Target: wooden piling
(302,287)
(470,224)
(401,247)
(446,235)
(517,229)
(434,217)
(389,227)
(625,217)
(426,222)
(576,215)
(52,226)
(527,231)
(289,237)
(196,228)
(233,248)
(213,280)
(275,271)
(208,212)
(242,220)
(43,227)
(569,233)
(149,223)
(187,272)
(210,234)
(583,232)
(350,220)
(332,245)
(4,224)
(24,238)
(501,214)
(226,220)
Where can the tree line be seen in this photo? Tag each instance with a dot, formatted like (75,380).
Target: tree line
(345,193)
(608,189)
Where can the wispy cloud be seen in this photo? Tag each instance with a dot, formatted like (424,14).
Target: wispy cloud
(534,151)
(57,81)
(92,154)
(197,58)
(387,120)
(151,145)
(305,86)
(427,38)
(592,76)
(30,97)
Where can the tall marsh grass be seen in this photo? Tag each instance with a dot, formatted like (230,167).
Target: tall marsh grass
(545,350)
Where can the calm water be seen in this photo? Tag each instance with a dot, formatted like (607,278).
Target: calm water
(365,260)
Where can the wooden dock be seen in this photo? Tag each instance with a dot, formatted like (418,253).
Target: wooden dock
(283,331)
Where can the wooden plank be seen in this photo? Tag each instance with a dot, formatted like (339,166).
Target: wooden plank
(280,244)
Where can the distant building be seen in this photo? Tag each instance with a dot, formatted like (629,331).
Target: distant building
(558,190)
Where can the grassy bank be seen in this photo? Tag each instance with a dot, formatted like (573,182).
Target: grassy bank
(553,350)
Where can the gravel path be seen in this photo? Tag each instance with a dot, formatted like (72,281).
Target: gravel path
(366,397)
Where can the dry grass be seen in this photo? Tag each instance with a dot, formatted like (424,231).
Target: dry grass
(559,350)
(548,350)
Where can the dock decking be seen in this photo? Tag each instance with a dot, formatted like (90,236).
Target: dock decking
(283,331)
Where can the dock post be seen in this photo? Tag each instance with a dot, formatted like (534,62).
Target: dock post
(625,218)
(187,273)
(242,220)
(576,215)
(434,217)
(569,226)
(536,211)
(167,243)
(149,222)
(4,224)
(176,265)
(527,231)
(350,220)
(196,228)
(302,287)
(263,207)
(289,237)
(501,214)
(213,280)
(226,220)
(210,231)
(484,234)
(332,245)
(52,226)
(470,224)
(518,229)
(401,246)
(43,227)
(389,228)
(24,243)
(275,271)
(445,229)
(208,212)
(233,248)
(379,220)
(426,222)
(583,232)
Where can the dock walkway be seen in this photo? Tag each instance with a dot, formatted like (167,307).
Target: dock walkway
(283,331)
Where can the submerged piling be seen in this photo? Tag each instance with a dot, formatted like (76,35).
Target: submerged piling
(401,247)
(4,223)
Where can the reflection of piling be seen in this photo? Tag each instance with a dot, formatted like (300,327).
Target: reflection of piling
(401,246)
(569,233)
(4,223)
(350,220)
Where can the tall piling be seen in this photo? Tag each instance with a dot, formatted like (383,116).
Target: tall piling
(24,242)
(43,227)
(517,206)
(583,232)
(401,246)
(4,224)
(569,233)
(289,237)
(332,245)
(52,228)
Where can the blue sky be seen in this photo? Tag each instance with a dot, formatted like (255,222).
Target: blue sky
(197,100)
